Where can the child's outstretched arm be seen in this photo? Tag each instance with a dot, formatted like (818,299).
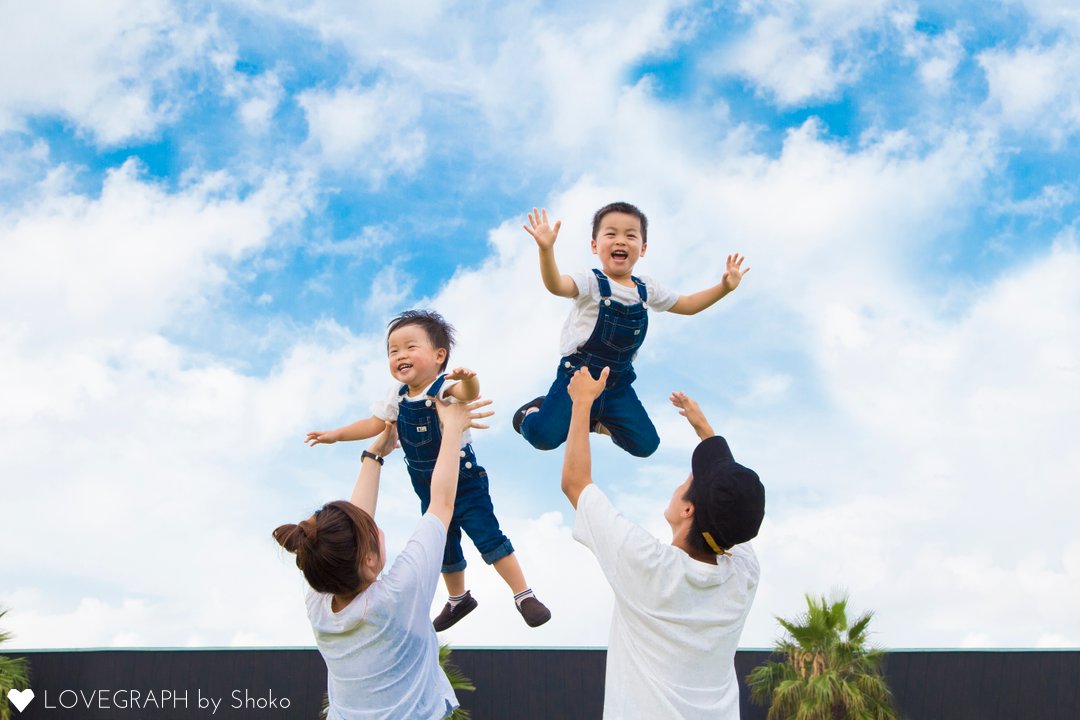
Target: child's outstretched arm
(468,387)
(359,430)
(577,459)
(544,235)
(455,418)
(693,304)
(689,409)
(365,494)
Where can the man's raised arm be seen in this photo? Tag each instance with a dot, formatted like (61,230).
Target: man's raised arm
(577,461)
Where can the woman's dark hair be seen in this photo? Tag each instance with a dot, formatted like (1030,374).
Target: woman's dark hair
(330,546)
(439,332)
(621,207)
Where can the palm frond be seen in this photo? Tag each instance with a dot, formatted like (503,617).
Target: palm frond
(857,631)
(457,679)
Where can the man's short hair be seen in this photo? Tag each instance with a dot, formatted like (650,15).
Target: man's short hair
(439,332)
(621,207)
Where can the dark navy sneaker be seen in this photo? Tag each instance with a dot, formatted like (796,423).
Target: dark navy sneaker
(534,612)
(451,615)
(523,411)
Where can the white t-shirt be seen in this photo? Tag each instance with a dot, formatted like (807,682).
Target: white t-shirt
(676,622)
(381,653)
(582,318)
(386,408)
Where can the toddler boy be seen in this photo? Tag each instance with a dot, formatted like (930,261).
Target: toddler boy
(418,345)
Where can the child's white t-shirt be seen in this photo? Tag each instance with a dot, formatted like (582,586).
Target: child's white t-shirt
(381,653)
(582,318)
(676,621)
(386,408)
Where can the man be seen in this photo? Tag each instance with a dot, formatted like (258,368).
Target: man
(679,608)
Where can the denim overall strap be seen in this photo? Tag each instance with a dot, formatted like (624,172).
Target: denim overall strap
(436,387)
(605,286)
(615,339)
(604,283)
(433,391)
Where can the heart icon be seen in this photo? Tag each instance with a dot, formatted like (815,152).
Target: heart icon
(20,698)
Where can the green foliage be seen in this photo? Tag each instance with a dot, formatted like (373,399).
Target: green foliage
(458,682)
(825,669)
(14,674)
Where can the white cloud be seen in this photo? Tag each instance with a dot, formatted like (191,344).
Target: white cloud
(794,69)
(370,131)
(802,51)
(258,96)
(965,420)
(543,82)
(390,288)
(1051,15)
(118,428)
(1048,203)
(112,67)
(937,56)
(1030,90)
(94,270)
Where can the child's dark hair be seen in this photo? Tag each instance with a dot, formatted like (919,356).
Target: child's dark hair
(330,546)
(439,332)
(621,207)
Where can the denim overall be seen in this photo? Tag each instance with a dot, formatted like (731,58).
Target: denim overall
(618,334)
(421,436)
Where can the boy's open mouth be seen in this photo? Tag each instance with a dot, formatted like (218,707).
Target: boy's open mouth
(619,254)
(404,366)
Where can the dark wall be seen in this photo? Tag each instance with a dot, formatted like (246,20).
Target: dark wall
(518,684)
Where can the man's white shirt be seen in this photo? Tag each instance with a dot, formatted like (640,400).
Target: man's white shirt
(676,621)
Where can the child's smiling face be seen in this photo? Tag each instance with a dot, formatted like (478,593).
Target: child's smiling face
(618,244)
(414,360)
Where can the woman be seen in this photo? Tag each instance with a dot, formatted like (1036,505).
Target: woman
(372,629)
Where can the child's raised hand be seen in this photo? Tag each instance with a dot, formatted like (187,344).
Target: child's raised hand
(322,437)
(583,387)
(690,410)
(462,416)
(461,373)
(543,233)
(734,273)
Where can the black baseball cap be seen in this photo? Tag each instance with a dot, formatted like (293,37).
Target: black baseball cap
(728,498)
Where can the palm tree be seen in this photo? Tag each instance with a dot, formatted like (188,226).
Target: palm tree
(827,671)
(457,681)
(14,674)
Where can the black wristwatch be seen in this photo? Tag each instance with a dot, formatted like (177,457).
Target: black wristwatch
(371,455)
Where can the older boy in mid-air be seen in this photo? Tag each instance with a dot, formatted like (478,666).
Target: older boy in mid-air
(606,327)
(679,607)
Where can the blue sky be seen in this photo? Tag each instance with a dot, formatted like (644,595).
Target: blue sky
(209,212)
